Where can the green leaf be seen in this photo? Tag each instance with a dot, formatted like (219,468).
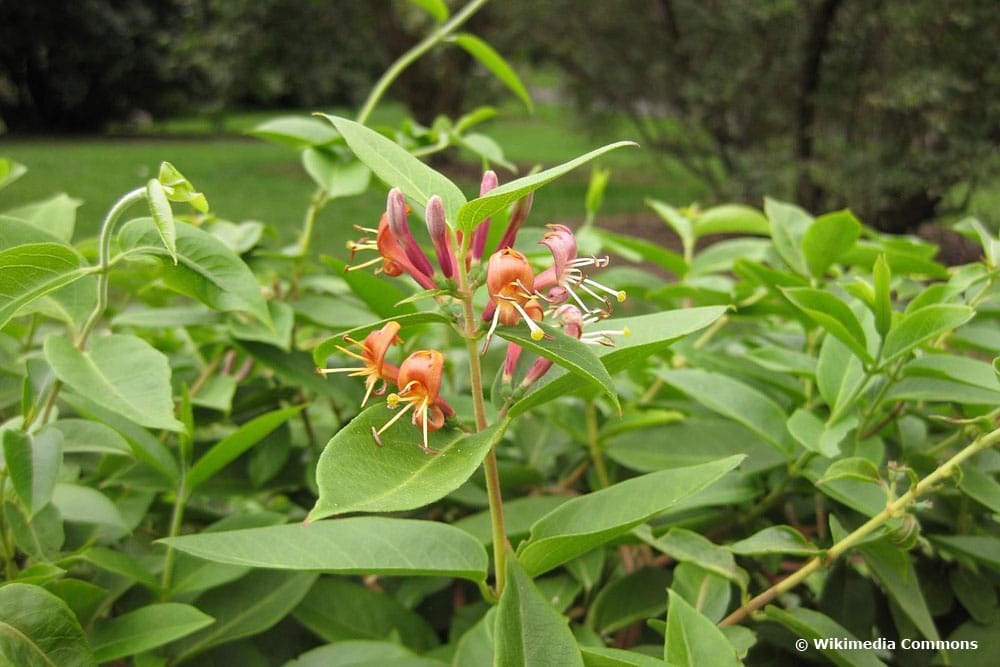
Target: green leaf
(601,656)
(358,545)
(379,294)
(687,546)
(569,353)
(122,564)
(677,221)
(146,628)
(824,439)
(355,474)
(706,591)
(723,256)
(33,270)
(337,610)
(32,463)
(178,188)
(296,131)
(397,168)
(731,219)
(692,639)
(206,269)
(436,8)
(472,213)
(788,226)
(519,514)
(362,653)
(921,325)
(163,216)
(82,504)
(124,374)
(640,250)
(833,316)
(246,607)
(56,215)
(233,445)
(336,177)
(981,487)
(586,522)
(735,400)
(631,599)
(854,482)
(982,548)
(495,63)
(649,334)
(529,631)
(827,238)
(37,629)
(882,276)
(40,537)
(838,372)
(82,435)
(10,171)
(775,540)
(894,570)
(819,631)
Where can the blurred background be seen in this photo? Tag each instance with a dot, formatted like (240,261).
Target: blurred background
(890,107)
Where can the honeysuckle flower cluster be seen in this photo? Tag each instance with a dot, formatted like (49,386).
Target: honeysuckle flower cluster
(563,294)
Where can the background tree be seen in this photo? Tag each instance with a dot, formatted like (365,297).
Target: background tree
(885,105)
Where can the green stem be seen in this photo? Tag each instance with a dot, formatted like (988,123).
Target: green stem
(593,445)
(840,548)
(104,261)
(412,55)
(176,519)
(470,328)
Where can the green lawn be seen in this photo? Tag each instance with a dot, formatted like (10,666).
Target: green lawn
(249,179)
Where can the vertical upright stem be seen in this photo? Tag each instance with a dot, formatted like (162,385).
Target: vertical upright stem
(469,330)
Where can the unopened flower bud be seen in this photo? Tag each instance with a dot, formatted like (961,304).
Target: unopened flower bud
(440,236)
(396,212)
(479,236)
(517,217)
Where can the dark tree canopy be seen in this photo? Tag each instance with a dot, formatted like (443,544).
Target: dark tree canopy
(884,105)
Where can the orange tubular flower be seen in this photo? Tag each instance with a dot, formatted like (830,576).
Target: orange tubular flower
(420,382)
(511,285)
(373,351)
(391,254)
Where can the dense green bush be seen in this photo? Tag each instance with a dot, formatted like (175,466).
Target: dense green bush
(789,440)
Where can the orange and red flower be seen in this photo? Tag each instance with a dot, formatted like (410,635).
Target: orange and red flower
(373,350)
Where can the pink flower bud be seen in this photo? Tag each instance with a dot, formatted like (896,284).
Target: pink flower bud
(517,217)
(396,210)
(479,236)
(440,236)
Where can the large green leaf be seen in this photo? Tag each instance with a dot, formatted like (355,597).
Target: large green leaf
(32,463)
(206,268)
(295,131)
(736,400)
(586,522)
(568,352)
(827,238)
(355,474)
(921,325)
(33,270)
(819,631)
(894,569)
(775,540)
(630,599)
(37,629)
(362,653)
(529,632)
(495,63)
(358,545)
(163,216)
(146,628)
(833,315)
(692,639)
(337,609)
(648,335)
(397,168)
(731,219)
(477,210)
(233,445)
(245,607)
(56,215)
(122,373)
(788,225)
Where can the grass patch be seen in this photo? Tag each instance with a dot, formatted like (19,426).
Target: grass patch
(248,179)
